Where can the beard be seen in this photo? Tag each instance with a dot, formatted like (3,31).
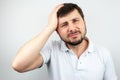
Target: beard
(74,43)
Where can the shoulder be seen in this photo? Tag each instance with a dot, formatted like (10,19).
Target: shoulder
(103,52)
(102,49)
(98,48)
(53,44)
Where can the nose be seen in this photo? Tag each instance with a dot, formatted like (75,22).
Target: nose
(71,27)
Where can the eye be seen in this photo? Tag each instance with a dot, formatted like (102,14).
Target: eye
(64,24)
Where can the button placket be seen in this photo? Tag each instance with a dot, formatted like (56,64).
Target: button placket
(81,63)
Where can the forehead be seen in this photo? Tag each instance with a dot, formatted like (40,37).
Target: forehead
(70,16)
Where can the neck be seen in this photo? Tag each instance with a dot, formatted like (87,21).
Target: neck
(80,48)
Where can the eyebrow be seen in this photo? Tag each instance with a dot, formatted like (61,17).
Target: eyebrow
(70,20)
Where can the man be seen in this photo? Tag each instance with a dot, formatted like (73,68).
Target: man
(74,57)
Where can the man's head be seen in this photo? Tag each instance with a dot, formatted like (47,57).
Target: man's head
(67,8)
(71,25)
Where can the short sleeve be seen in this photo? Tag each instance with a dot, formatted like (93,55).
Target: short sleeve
(45,52)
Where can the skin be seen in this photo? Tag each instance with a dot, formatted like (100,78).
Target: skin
(28,56)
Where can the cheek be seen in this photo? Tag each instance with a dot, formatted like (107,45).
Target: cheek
(62,32)
(82,27)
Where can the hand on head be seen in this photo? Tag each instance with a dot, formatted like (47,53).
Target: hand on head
(53,20)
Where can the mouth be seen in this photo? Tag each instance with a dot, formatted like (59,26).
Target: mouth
(73,34)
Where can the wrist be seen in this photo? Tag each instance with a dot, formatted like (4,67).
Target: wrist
(51,28)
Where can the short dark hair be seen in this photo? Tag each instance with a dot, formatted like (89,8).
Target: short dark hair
(69,7)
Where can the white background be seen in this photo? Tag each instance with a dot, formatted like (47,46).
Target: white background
(20,20)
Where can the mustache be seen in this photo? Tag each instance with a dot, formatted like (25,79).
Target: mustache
(73,32)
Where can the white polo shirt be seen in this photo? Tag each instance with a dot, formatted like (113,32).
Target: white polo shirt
(62,63)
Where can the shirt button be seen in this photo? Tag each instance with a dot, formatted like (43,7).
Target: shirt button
(67,51)
(88,52)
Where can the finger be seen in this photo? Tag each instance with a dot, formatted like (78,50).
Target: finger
(58,7)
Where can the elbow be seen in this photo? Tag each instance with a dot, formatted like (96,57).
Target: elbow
(17,68)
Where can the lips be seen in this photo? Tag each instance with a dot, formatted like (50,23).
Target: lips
(73,34)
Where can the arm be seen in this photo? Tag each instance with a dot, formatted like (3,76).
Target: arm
(28,56)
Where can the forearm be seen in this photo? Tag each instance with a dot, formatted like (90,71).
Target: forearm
(36,44)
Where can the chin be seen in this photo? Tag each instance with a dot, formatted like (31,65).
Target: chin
(76,42)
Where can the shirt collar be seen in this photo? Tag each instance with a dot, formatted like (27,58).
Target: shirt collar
(63,46)
(90,48)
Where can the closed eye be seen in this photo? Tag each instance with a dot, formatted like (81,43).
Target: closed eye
(64,24)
